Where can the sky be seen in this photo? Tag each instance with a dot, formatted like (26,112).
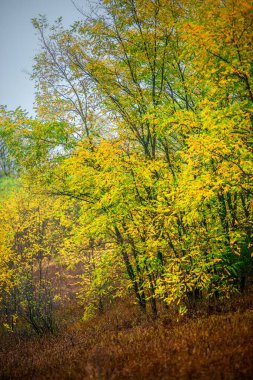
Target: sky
(19,43)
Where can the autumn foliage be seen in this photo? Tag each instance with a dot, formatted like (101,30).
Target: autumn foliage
(135,177)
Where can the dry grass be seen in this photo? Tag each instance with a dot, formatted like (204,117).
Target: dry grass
(123,344)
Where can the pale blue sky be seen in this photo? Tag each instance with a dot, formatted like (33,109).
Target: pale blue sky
(19,44)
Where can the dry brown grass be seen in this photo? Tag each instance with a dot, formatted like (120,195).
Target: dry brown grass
(123,344)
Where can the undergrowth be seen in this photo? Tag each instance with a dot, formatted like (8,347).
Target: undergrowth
(211,342)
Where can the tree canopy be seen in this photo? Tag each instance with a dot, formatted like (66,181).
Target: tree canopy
(141,150)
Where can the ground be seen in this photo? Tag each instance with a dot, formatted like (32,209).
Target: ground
(210,343)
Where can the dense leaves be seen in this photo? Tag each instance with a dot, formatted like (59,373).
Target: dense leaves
(144,141)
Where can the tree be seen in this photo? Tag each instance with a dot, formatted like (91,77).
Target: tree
(31,238)
(163,177)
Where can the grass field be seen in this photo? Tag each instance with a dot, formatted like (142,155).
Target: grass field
(211,343)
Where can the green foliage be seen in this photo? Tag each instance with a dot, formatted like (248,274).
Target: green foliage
(149,155)
(7,186)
